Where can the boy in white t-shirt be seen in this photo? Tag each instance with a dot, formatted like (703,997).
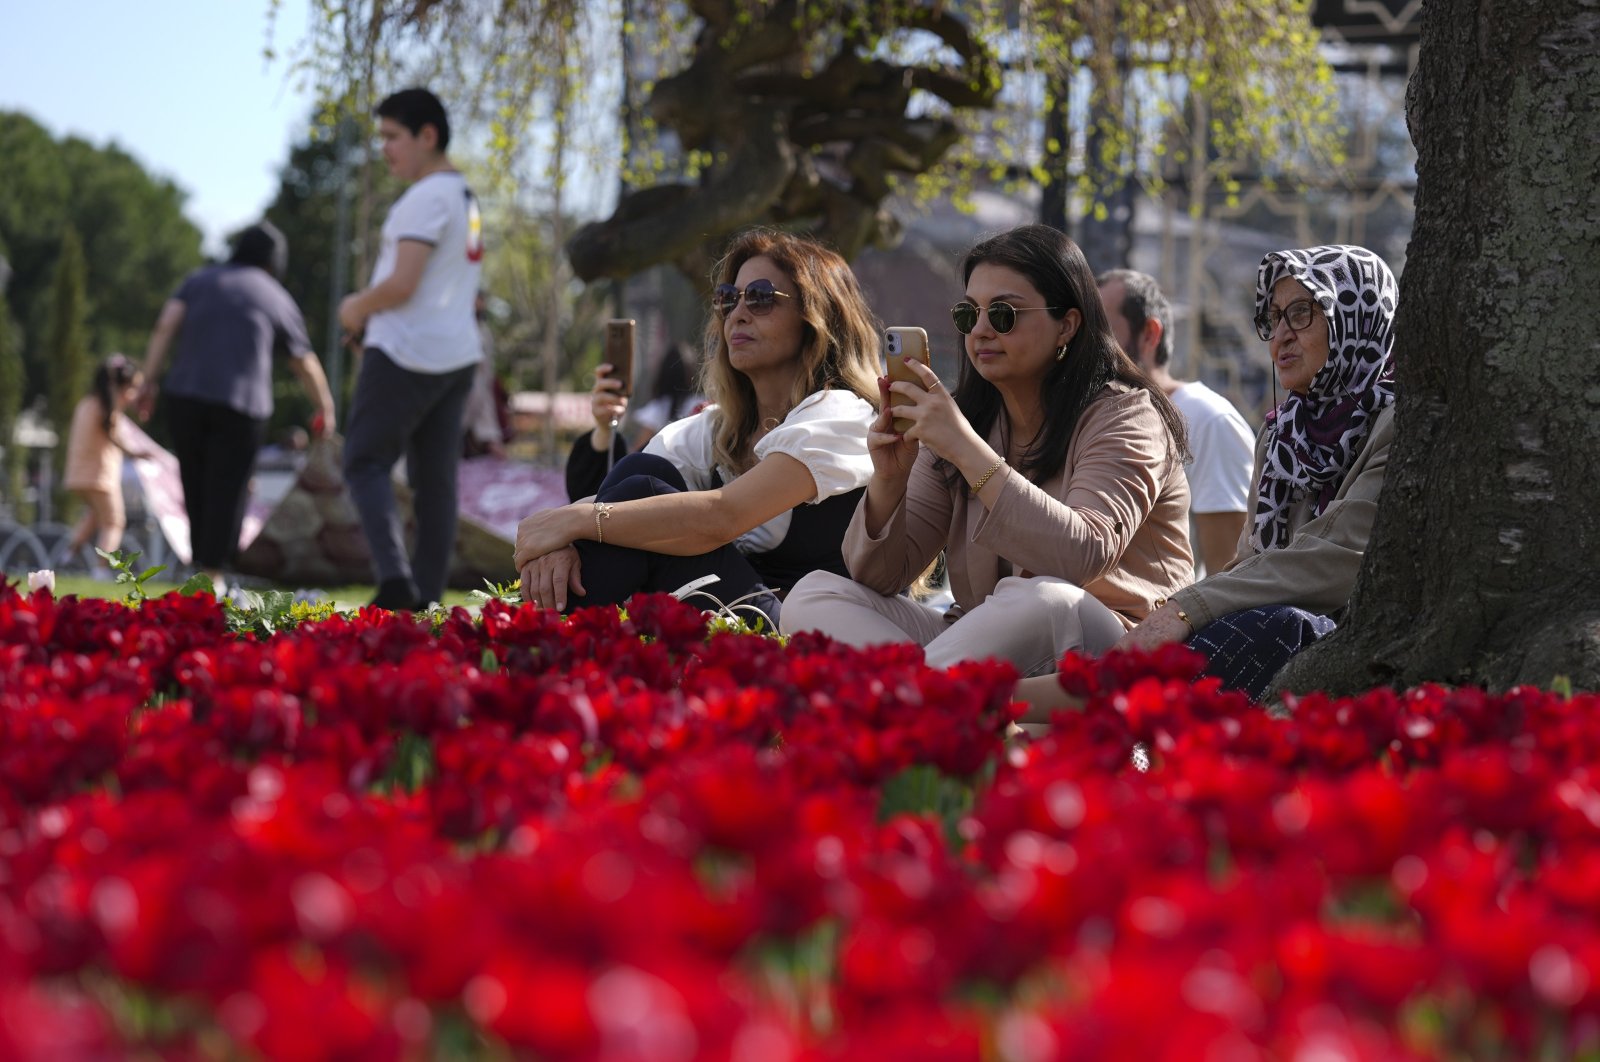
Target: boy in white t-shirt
(1223,446)
(416,325)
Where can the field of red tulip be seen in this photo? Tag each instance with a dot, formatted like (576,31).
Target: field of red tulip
(628,837)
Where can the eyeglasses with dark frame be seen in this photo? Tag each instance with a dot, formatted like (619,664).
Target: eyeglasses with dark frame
(1298,313)
(1002,315)
(759,298)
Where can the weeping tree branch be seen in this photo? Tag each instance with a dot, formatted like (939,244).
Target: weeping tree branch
(809,114)
(809,150)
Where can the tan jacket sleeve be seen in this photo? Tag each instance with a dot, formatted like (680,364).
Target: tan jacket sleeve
(909,540)
(1317,570)
(1115,475)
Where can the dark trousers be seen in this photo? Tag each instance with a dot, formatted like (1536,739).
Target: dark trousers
(1246,649)
(216,450)
(612,574)
(417,415)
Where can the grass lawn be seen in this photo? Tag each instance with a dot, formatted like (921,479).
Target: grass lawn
(343,596)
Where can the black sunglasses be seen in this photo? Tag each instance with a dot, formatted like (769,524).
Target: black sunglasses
(1002,315)
(759,298)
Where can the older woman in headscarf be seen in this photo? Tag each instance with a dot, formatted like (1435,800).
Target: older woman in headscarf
(1327,314)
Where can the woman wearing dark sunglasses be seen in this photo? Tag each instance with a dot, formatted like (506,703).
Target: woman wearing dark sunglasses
(1327,314)
(1052,478)
(756,489)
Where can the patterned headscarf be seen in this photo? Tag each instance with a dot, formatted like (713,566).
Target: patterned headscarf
(1312,439)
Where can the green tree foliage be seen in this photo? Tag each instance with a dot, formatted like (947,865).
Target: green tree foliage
(520,267)
(135,241)
(66,340)
(33,212)
(306,211)
(11,385)
(810,113)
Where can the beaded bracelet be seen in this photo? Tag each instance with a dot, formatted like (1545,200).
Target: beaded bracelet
(976,487)
(602,510)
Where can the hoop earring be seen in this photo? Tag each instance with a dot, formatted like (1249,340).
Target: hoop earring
(1061,353)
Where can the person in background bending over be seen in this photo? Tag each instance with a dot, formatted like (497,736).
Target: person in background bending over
(226,322)
(1220,441)
(421,349)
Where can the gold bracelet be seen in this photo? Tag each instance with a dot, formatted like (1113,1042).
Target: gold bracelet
(976,487)
(1161,603)
(602,511)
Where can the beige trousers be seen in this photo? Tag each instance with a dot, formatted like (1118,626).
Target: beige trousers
(1029,622)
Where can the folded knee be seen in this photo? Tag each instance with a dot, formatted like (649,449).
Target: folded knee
(641,476)
(807,604)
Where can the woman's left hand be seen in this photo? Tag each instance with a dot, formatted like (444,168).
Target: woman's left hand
(937,421)
(1161,627)
(550,580)
(547,531)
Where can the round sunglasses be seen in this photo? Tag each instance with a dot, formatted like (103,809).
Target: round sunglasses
(759,298)
(1002,315)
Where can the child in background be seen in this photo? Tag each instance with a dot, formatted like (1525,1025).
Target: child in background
(95,449)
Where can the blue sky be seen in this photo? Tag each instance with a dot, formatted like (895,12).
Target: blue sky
(181,85)
(184,87)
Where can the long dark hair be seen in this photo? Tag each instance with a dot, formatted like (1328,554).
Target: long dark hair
(113,374)
(1056,266)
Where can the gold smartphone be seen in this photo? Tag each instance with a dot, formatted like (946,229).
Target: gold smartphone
(619,351)
(898,342)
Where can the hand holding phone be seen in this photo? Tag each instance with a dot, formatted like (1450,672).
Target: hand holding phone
(619,352)
(898,343)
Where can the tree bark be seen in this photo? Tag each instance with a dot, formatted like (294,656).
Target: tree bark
(1484,565)
(813,153)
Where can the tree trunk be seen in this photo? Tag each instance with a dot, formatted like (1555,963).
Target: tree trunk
(1484,565)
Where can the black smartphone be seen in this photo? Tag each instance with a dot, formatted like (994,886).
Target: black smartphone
(619,351)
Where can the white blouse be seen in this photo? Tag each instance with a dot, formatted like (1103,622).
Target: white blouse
(826,432)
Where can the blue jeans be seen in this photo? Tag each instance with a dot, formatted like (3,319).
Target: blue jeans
(612,574)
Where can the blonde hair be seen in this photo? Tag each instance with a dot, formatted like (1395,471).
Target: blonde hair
(838,345)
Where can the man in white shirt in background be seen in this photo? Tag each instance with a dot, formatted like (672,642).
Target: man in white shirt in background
(421,349)
(1222,445)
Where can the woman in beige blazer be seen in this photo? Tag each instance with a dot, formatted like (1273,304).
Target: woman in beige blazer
(1327,314)
(1052,478)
